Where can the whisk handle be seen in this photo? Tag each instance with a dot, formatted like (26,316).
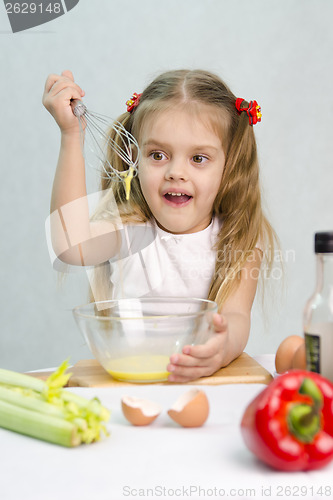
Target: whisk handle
(78,107)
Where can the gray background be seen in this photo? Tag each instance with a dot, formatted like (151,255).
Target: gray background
(278,52)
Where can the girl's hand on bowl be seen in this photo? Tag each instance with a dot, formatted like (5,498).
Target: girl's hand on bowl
(201,360)
(58,92)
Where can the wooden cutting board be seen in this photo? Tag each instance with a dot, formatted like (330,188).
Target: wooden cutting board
(243,370)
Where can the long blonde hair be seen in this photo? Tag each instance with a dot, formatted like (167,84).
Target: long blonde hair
(238,203)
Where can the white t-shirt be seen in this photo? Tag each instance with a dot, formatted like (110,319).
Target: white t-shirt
(152,262)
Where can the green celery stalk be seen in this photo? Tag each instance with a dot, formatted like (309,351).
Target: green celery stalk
(46,411)
(38,425)
(21,380)
(30,403)
(93,405)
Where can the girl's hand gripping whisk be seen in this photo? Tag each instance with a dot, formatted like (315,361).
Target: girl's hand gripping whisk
(59,92)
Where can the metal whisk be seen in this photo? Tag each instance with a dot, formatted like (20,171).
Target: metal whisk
(96,125)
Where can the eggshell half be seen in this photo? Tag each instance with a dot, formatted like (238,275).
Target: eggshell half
(139,411)
(299,359)
(191,409)
(285,353)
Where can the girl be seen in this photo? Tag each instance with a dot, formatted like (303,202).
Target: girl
(197,191)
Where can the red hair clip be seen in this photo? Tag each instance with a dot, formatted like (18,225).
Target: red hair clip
(133,102)
(253,110)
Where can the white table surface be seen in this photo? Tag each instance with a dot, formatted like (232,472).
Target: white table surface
(162,460)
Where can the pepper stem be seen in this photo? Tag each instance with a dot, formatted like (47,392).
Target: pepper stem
(310,388)
(304,419)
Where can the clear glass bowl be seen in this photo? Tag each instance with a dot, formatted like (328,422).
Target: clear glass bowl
(133,339)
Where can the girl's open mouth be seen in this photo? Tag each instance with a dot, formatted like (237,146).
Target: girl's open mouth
(177,198)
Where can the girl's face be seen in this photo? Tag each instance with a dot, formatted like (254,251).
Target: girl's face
(181,169)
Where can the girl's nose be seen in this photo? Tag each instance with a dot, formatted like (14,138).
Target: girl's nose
(176,170)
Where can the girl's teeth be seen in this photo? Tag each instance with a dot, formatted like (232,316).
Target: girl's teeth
(176,194)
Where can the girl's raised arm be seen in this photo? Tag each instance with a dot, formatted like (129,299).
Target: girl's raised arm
(74,239)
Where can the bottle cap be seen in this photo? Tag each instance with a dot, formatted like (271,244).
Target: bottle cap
(324,242)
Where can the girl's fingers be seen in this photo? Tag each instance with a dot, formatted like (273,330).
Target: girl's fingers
(220,323)
(200,353)
(201,360)
(197,357)
(68,74)
(62,84)
(66,94)
(187,374)
(50,81)
(58,104)
(177,360)
(206,351)
(55,84)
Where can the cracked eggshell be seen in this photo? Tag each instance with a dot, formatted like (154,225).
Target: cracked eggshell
(191,409)
(139,411)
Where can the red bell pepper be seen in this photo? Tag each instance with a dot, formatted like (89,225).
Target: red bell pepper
(289,425)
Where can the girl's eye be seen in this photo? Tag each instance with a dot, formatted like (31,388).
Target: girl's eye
(199,159)
(157,156)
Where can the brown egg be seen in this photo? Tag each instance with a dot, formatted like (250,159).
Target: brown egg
(139,411)
(299,359)
(191,409)
(286,351)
